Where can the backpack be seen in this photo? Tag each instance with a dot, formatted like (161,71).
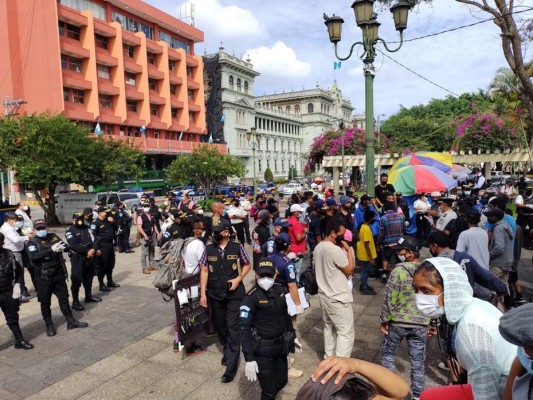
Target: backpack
(308,280)
(170,266)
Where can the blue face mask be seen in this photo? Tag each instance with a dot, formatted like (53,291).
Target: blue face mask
(41,233)
(525,360)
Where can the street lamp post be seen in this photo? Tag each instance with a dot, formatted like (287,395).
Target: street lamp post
(341,127)
(366,20)
(253,137)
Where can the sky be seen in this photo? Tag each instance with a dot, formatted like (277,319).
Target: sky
(288,44)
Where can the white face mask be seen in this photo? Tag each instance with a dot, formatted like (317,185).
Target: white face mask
(428,304)
(200,212)
(401,257)
(25,208)
(265,283)
(165,203)
(146,209)
(19,224)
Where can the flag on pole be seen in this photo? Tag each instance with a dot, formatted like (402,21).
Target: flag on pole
(337,65)
(181,135)
(211,138)
(143,130)
(97,129)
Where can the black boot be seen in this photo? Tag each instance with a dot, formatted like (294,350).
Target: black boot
(50,328)
(92,299)
(76,305)
(104,288)
(20,342)
(112,284)
(73,324)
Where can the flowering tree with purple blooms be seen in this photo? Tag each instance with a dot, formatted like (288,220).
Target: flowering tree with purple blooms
(484,131)
(330,144)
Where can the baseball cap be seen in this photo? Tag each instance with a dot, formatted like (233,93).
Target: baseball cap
(365,197)
(331,202)
(39,223)
(439,238)
(283,236)
(220,225)
(345,199)
(102,209)
(435,194)
(87,210)
(399,194)
(281,222)
(407,243)
(295,208)
(319,203)
(265,267)
(77,215)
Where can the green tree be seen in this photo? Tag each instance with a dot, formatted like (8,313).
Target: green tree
(45,150)
(292,173)
(206,166)
(269,176)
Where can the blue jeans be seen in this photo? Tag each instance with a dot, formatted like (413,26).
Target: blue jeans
(365,270)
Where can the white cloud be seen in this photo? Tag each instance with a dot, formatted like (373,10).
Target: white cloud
(228,24)
(278,62)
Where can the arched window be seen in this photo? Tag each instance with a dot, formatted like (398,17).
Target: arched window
(280,109)
(288,109)
(297,109)
(231,81)
(310,108)
(245,86)
(238,84)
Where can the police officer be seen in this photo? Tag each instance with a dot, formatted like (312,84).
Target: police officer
(45,253)
(267,333)
(176,229)
(221,282)
(10,293)
(82,244)
(103,227)
(123,220)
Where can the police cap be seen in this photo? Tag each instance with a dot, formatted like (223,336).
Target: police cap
(265,267)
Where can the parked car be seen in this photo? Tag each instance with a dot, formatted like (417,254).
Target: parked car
(196,195)
(292,188)
(264,188)
(499,177)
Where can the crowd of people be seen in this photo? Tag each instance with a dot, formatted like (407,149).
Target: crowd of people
(458,295)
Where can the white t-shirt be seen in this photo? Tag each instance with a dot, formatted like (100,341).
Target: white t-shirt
(192,256)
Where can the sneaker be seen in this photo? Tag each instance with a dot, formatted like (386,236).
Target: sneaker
(384,277)
(519,299)
(147,271)
(368,292)
(443,366)
(194,349)
(295,373)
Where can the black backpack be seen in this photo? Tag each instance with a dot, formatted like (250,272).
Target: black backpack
(308,280)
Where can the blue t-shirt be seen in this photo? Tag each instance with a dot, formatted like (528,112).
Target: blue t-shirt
(285,267)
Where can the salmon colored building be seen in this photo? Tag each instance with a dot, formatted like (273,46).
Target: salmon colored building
(122,63)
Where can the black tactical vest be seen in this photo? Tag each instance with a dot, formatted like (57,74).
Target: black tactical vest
(223,266)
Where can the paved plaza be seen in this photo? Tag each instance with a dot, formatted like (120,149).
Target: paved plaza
(126,352)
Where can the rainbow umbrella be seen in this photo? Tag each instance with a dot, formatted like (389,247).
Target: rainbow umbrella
(416,179)
(441,161)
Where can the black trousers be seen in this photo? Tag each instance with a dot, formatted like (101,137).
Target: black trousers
(272,376)
(82,272)
(106,262)
(57,285)
(225,318)
(247,229)
(239,228)
(123,238)
(10,308)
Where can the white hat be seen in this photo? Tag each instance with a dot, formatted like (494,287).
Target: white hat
(295,208)
(435,194)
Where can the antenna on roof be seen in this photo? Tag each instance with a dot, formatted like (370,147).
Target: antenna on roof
(187,17)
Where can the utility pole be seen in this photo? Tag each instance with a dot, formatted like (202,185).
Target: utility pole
(11,108)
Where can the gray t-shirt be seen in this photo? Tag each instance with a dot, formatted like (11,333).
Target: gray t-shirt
(329,259)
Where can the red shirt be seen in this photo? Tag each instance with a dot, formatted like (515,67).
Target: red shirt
(296,228)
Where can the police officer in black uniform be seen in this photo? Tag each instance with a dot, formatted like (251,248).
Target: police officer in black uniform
(10,293)
(45,251)
(267,334)
(103,227)
(221,282)
(176,229)
(83,246)
(123,220)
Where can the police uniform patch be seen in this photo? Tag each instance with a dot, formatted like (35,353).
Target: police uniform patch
(212,258)
(233,257)
(244,311)
(93,227)
(234,266)
(292,275)
(32,248)
(210,268)
(270,249)
(69,235)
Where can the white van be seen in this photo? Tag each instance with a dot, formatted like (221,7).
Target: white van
(68,203)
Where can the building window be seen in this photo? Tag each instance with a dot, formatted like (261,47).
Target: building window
(129,78)
(231,81)
(189,72)
(191,116)
(105,100)
(68,30)
(151,58)
(132,25)
(174,113)
(152,84)
(154,109)
(171,65)
(173,89)
(310,108)
(81,5)
(238,84)
(71,63)
(131,105)
(174,42)
(297,109)
(288,109)
(103,71)
(190,94)
(101,41)
(129,50)
(73,95)
(245,86)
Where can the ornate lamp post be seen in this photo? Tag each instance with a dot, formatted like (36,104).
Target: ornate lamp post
(365,19)
(341,127)
(253,138)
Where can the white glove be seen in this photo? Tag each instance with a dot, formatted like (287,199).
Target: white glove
(298,348)
(16,291)
(58,247)
(299,309)
(250,370)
